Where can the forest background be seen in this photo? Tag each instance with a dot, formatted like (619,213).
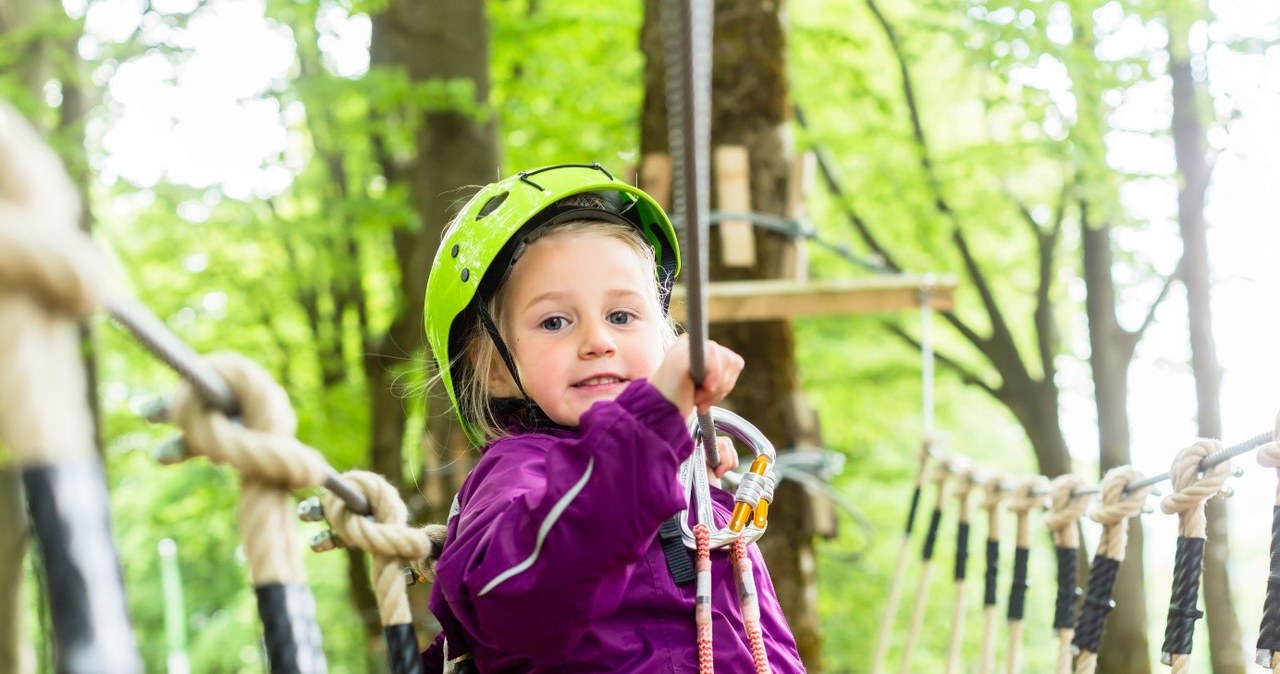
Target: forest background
(271,178)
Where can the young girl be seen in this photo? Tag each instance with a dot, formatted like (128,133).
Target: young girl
(547,315)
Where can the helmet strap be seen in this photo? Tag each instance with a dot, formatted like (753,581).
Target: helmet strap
(533,415)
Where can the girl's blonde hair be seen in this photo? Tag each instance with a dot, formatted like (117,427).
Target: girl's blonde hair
(479,361)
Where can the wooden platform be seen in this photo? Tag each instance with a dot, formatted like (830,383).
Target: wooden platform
(779,299)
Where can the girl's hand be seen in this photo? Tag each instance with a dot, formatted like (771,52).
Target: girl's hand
(728,460)
(673,381)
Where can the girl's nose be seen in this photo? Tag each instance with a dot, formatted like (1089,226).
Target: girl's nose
(597,340)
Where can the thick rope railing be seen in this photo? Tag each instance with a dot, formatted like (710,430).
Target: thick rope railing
(1062,520)
(50,278)
(961,491)
(271,464)
(1117,504)
(994,495)
(1191,489)
(941,475)
(1026,497)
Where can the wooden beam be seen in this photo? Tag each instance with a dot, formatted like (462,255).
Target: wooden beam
(733,194)
(785,298)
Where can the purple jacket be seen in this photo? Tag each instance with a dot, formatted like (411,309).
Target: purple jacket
(554,563)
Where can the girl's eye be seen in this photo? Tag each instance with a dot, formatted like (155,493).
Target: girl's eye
(621,317)
(554,323)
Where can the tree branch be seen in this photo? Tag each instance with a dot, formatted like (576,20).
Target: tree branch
(1150,318)
(966,375)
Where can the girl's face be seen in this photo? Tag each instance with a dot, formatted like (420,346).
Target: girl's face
(581,317)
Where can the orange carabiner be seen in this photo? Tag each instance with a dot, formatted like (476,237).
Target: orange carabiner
(742,511)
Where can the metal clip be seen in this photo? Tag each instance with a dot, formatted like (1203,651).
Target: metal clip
(310,510)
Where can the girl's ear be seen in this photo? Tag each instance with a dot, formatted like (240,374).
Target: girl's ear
(500,383)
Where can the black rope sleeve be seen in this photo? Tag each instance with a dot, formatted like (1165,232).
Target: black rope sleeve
(1018,589)
(402,649)
(931,538)
(915,507)
(1183,614)
(993,569)
(1097,603)
(1269,631)
(70,518)
(289,629)
(1064,609)
(962,550)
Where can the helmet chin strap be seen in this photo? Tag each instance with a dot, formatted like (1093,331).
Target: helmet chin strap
(533,413)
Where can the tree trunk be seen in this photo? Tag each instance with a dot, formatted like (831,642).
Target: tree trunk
(440,39)
(431,40)
(13,551)
(1193,168)
(750,104)
(1124,643)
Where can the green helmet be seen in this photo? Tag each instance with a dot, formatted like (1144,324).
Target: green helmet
(478,248)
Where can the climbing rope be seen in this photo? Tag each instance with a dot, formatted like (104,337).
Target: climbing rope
(51,275)
(1066,507)
(271,463)
(1268,653)
(393,544)
(1117,505)
(963,488)
(1191,489)
(994,494)
(942,472)
(1027,496)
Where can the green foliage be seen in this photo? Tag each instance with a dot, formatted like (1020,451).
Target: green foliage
(1014,100)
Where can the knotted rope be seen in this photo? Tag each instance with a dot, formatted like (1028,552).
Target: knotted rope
(961,491)
(271,463)
(899,569)
(386,535)
(1028,495)
(1191,490)
(1063,519)
(942,471)
(994,495)
(51,275)
(1268,654)
(1113,511)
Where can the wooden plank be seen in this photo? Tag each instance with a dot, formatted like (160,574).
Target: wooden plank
(785,298)
(655,178)
(733,195)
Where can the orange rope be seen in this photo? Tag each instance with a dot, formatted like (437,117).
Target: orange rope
(702,605)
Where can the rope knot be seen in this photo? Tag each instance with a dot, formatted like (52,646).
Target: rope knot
(1116,504)
(1114,509)
(993,492)
(1027,495)
(1191,488)
(385,534)
(263,449)
(42,250)
(1065,507)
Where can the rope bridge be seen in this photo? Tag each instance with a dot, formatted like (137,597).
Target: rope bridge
(1198,472)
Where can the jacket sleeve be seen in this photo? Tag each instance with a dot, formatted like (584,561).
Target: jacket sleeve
(546,537)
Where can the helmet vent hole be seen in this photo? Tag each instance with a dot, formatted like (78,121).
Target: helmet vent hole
(466,274)
(453,252)
(492,204)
